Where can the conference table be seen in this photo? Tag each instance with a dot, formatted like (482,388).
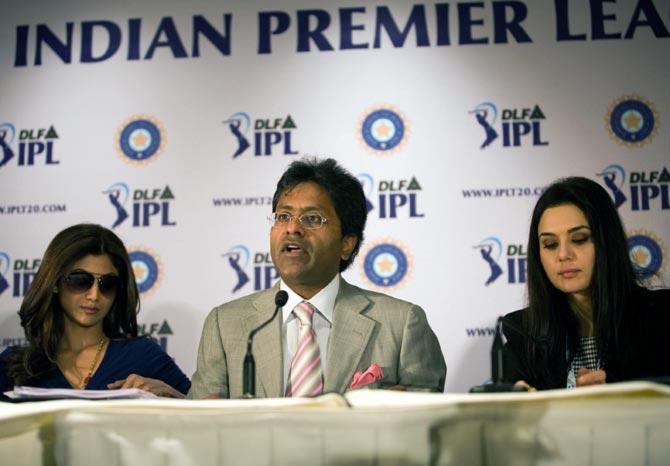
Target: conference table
(618,424)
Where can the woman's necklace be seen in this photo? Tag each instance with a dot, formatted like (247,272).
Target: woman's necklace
(83,381)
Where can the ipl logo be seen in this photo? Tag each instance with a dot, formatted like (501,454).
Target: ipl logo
(486,114)
(238,259)
(491,249)
(614,177)
(5,263)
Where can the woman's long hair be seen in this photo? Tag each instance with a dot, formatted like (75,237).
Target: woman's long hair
(41,314)
(612,283)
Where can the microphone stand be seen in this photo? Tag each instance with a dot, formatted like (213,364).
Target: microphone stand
(497,368)
(249,366)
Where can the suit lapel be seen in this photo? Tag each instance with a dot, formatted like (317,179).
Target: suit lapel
(348,338)
(267,345)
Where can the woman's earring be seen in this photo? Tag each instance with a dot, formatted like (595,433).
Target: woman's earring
(55,290)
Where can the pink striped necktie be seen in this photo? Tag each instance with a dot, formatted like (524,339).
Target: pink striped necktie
(306,375)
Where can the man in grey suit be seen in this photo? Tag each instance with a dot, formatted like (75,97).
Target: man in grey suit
(319,214)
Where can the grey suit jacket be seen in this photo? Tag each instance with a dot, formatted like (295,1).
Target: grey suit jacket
(367,328)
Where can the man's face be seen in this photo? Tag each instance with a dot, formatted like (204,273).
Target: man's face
(307,260)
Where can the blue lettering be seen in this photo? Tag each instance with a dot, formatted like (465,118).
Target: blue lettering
(62,49)
(501,25)
(598,18)
(563,23)
(653,20)
(465,23)
(172,40)
(202,27)
(21,54)
(347,27)
(113,43)
(134,25)
(265,29)
(305,33)
(417,20)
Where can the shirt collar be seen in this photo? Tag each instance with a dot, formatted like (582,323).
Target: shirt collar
(324,300)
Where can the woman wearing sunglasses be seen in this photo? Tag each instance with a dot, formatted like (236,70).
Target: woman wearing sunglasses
(80,320)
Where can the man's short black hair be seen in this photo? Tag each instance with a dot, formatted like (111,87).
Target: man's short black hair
(343,188)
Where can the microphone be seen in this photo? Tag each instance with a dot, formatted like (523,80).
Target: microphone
(249,367)
(497,360)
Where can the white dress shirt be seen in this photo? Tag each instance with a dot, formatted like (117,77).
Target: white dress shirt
(324,302)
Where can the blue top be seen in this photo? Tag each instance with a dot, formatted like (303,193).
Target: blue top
(141,356)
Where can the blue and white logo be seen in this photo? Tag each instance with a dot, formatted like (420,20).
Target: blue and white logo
(386,264)
(7,135)
(5,263)
(490,250)
(646,252)
(238,259)
(140,139)
(632,121)
(614,177)
(383,130)
(486,115)
(239,124)
(147,269)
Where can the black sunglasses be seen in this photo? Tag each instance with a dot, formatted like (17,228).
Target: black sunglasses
(80,281)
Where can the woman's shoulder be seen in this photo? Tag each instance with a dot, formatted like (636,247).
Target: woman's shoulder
(141,343)
(515,316)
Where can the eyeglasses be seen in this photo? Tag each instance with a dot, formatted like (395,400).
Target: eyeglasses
(80,281)
(308,221)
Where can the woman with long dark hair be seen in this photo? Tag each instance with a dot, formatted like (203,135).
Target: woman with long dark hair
(588,320)
(80,319)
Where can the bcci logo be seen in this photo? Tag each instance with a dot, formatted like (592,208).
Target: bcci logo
(147,269)
(646,251)
(383,130)
(139,139)
(386,265)
(632,121)
(267,133)
(5,263)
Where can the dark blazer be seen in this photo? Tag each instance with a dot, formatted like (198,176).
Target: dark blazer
(646,329)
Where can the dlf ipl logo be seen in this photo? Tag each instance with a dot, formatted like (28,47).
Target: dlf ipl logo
(519,126)
(35,146)
(648,254)
(268,135)
(394,198)
(383,130)
(632,121)
(647,190)
(140,139)
(386,265)
(147,268)
(159,332)
(263,270)
(491,250)
(148,206)
(20,271)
